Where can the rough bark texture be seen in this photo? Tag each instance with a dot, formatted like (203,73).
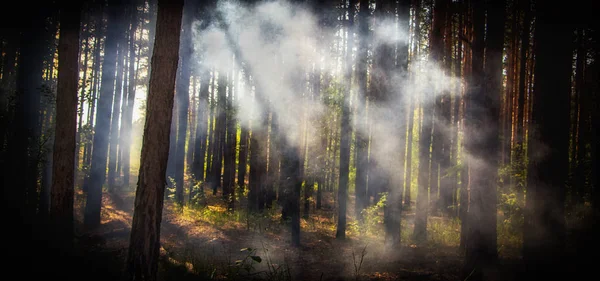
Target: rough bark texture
(144,244)
(61,206)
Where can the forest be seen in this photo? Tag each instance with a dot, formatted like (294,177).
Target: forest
(300,139)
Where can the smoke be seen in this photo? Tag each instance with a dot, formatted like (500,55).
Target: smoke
(280,45)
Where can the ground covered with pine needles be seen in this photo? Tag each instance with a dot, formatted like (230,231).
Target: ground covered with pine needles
(208,242)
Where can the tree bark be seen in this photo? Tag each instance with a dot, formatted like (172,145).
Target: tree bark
(346,130)
(361,139)
(183,98)
(63,173)
(142,261)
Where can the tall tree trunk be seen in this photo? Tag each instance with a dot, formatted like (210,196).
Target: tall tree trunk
(201,128)
(483,109)
(273,169)
(290,169)
(11,41)
(87,150)
(522,88)
(84,85)
(544,232)
(457,117)
(411,109)
(183,98)
(258,158)
(229,148)
(63,173)
(579,176)
(126,123)
(101,135)
(243,156)
(116,110)
(220,132)
(346,130)
(144,245)
(361,139)
(23,141)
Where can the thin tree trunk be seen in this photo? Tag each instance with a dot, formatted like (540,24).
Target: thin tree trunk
(87,150)
(116,111)
(482,138)
(126,123)
(544,232)
(183,99)
(361,139)
(201,128)
(273,169)
(101,135)
(346,131)
(84,84)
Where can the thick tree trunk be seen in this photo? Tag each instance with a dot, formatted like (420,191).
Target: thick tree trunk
(420,230)
(23,139)
(258,163)
(290,169)
(142,261)
(61,207)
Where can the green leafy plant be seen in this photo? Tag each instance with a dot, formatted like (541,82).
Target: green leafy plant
(372,219)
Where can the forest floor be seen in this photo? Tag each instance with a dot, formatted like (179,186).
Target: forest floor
(211,243)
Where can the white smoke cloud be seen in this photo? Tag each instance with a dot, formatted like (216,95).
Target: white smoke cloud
(279,44)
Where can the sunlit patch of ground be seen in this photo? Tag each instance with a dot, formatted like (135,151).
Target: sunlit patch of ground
(207,241)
